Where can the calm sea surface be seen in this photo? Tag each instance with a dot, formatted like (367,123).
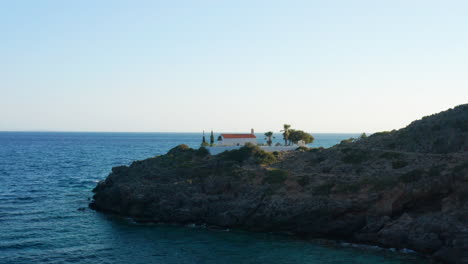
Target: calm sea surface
(46,177)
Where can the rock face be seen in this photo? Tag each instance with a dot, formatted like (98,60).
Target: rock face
(362,191)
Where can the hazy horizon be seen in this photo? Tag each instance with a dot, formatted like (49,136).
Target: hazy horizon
(157,66)
(207,133)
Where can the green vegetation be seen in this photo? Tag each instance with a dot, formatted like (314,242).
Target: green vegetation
(324,189)
(435,171)
(379,134)
(355,156)
(316,150)
(201,172)
(348,187)
(202,152)
(292,136)
(461,125)
(302,148)
(391,155)
(303,180)
(461,167)
(286,133)
(204,143)
(379,183)
(178,157)
(412,176)
(463,196)
(398,164)
(297,135)
(275,176)
(269,137)
(347,141)
(211,138)
(391,146)
(182,148)
(249,151)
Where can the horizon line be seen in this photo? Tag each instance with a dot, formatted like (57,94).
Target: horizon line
(149,132)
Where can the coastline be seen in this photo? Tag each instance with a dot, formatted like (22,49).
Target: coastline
(386,190)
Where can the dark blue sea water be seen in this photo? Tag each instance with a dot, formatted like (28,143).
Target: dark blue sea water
(46,177)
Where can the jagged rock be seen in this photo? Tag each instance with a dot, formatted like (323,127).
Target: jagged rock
(377,190)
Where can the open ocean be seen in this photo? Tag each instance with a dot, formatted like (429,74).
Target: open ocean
(46,176)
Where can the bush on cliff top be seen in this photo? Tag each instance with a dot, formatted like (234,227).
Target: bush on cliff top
(202,152)
(275,176)
(249,151)
(182,148)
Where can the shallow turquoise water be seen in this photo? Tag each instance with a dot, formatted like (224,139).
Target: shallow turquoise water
(46,177)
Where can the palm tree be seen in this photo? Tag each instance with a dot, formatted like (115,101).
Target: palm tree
(286,133)
(269,136)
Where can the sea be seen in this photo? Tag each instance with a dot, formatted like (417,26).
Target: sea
(46,180)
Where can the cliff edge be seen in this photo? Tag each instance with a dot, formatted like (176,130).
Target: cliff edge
(404,189)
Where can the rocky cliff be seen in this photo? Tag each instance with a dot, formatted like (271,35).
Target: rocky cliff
(402,189)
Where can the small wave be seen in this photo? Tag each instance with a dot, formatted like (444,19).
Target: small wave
(373,247)
(21,245)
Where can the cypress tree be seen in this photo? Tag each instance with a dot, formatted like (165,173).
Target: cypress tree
(211,138)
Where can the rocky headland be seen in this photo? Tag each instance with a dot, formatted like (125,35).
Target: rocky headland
(402,189)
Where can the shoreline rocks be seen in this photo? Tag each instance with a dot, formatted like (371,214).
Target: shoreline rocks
(353,191)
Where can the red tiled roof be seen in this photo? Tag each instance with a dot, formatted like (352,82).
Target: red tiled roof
(238,136)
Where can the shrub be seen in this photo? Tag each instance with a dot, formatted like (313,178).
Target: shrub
(202,152)
(324,189)
(346,150)
(264,157)
(302,148)
(461,167)
(378,134)
(391,146)
(250,151)
(275,176)
(398,164)
(436,127)
(380,183)
(182,148)
(463,196)
(412,176)
(461,125)
(347,141)
(391,155)
(315,150)
(355,156)
(320,159)
(435,171)
(201,172)
(303,180)
(348,187)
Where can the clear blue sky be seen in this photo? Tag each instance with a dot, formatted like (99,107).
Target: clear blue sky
(322,66)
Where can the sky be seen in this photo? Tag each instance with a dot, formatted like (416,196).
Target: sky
(187,66)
